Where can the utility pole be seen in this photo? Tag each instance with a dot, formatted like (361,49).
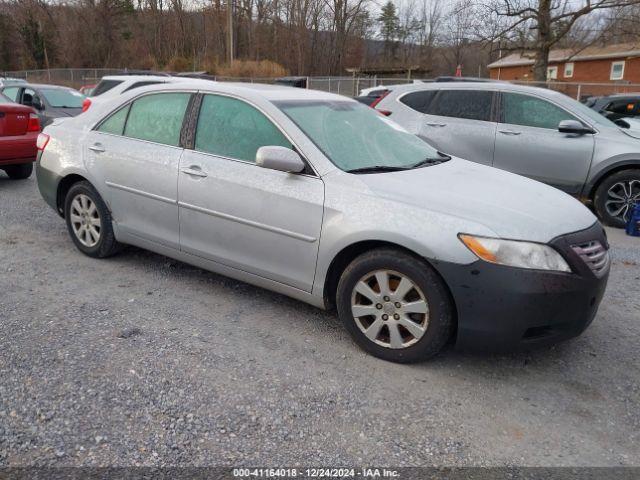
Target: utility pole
(230,29)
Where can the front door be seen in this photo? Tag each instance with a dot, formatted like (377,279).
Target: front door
(528,143)
(232,211)
(135,154)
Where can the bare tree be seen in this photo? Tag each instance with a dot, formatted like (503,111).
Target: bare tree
(539,25)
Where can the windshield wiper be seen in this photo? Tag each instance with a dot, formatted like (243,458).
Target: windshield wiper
(443,157)
(377,168)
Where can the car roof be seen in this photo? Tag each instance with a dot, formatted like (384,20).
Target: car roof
(493,86)
(623,95)
(270,92)
(138,78)
(42,85)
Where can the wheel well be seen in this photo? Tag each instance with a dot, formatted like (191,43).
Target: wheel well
(608,173)
(63,187)
(348,254)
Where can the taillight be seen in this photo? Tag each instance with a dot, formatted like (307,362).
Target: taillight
(34,123)
(379,99)
(43,140)
(86,104)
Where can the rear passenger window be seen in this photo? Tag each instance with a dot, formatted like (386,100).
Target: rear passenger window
(232,128)
(115,123)
(158,118)
(468,104)
(419,101)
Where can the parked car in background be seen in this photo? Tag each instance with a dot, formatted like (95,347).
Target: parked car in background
(19,129)
(87,90)
(615,107)
(372,96)
(6,81)
(111,86)
(316,196)
(535,132)
(49,101)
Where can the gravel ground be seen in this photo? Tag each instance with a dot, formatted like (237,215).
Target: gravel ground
(142,360)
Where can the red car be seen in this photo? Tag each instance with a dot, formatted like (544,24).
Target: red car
(19,129)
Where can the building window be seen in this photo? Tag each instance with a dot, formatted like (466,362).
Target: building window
(617,70)
(568,70)
(552,73)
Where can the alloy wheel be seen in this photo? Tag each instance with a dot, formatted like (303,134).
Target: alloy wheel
(390,309)
(85,220)
(621,199)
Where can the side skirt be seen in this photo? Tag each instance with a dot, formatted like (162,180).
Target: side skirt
(206,264)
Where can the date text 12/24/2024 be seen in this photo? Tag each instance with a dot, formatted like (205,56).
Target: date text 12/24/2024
(315,473)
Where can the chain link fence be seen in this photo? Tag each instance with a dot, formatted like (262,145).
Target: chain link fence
(348,86)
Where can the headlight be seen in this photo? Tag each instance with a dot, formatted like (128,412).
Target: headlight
(515,253)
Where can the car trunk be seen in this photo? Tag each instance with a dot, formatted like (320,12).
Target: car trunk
(14,119)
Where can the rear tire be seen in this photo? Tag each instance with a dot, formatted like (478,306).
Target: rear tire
(19,172)
(89,221)
(395,306)
(615,197)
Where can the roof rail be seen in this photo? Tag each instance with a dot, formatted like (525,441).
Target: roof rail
(143,72)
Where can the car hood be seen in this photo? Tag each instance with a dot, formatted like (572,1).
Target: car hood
(634,127)
(512,206)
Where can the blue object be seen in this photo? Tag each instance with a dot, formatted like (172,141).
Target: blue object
(633,225)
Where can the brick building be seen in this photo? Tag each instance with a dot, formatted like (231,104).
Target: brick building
(615,64)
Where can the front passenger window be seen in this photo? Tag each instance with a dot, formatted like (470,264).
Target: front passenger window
(232,128)
(532,112)
(157,118)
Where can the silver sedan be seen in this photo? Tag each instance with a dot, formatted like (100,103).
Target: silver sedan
(321,198)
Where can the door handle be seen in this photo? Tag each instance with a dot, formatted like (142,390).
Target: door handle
(194,171)
(437,124)
(97,147)
(509,132)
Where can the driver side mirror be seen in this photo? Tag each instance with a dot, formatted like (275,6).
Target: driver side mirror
(279,158)
(573,126)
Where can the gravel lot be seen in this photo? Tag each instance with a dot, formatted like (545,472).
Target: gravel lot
(142,360)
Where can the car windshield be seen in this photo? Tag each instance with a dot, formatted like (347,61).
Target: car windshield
(62,98)
(354,136)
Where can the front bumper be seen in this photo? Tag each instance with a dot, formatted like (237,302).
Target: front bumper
(503,308)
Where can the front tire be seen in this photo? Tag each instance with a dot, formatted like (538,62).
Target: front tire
(615,197)
(89,221)
(19,172)
(395,306)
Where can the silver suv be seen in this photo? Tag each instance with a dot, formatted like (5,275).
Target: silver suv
(318,197)
(535,132)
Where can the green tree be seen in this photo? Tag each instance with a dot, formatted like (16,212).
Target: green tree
(389,24)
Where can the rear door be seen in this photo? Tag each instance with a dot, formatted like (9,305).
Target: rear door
(460,122)
(528,143)
(134,154)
